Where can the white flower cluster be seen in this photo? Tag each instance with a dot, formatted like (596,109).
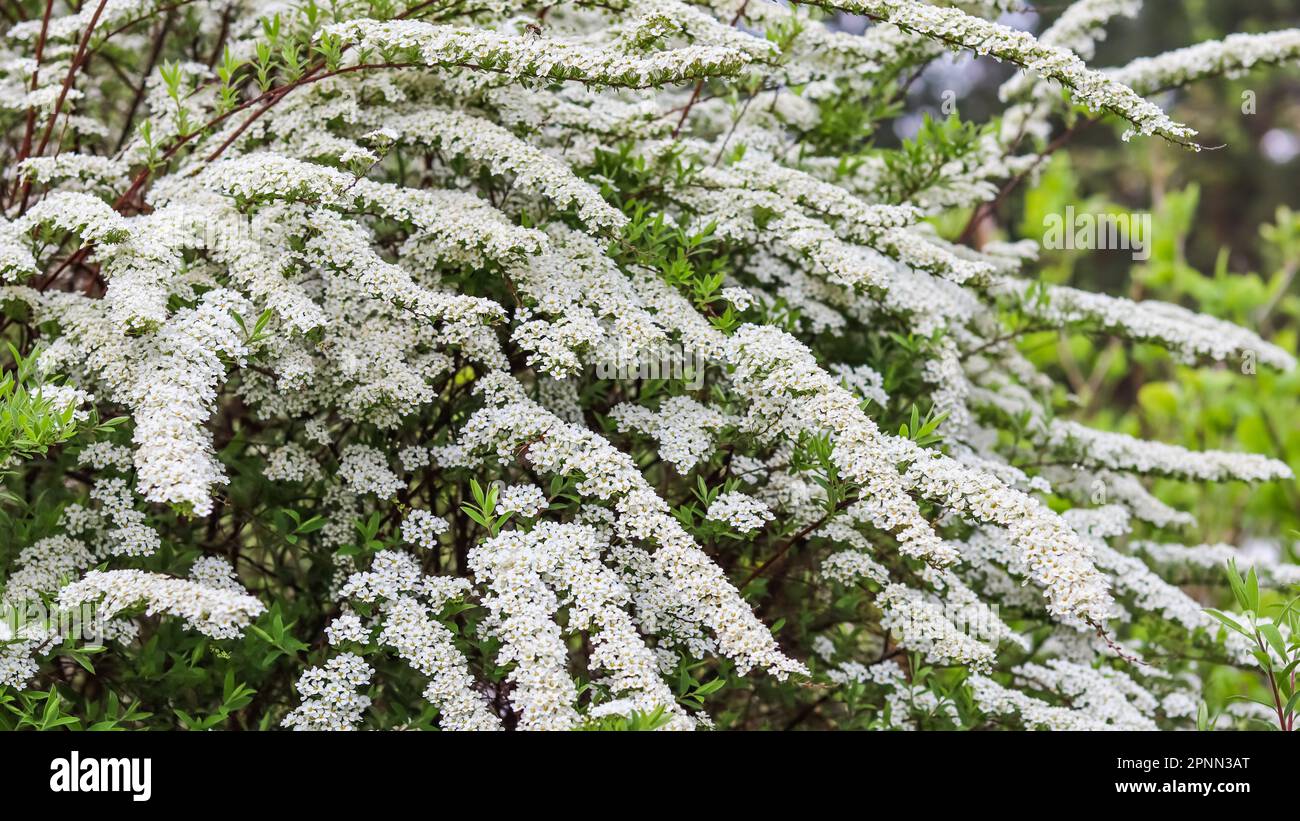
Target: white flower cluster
(677,577)
(421,528)
(43,567)
(863,380)
(904,700)
(1124,489)
(1102,694)
(787,388)
(215,572)
(1233,55)
(1118,451)
(105,455)
(524,573)
(555,58)
(1212,557)
(525,500)
(330,697)
(16,261)
(461,135)
(220,612)
(366,470)
(848,566)
(684,429)
(922,625)
(1189,335)
(995,699)
(743,513)
(172,394)
(346,628)
(19,649)
(291,462)
(409,603)
(961,30)
(427,646)
(788,391)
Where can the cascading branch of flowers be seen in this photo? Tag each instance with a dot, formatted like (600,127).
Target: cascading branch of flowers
(564,365)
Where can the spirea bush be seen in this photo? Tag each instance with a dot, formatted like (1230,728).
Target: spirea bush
(484,365)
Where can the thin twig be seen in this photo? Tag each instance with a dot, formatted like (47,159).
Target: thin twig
(29,132)
(158,40)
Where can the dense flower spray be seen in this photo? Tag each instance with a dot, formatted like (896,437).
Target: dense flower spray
(559,365)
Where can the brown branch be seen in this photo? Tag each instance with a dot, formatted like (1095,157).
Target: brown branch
(158,40)
(30,130)
(221,35)
(699,85)
(983,210)
(283,91)
(77,61)
(793,540)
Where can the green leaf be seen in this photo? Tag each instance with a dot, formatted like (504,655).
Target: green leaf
(311,525)
(711,687)
(1238,586)
(1274,638)
(1228,621)
(1252,590)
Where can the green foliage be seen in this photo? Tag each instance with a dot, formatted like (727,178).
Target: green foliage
(635,722)
(30,422)
(1278,657)
(922,161)
(483,509)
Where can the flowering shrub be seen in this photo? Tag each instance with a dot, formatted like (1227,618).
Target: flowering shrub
(575,365)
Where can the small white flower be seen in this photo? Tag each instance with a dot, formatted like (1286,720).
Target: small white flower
(743,513)
(525,500)
(421,528)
